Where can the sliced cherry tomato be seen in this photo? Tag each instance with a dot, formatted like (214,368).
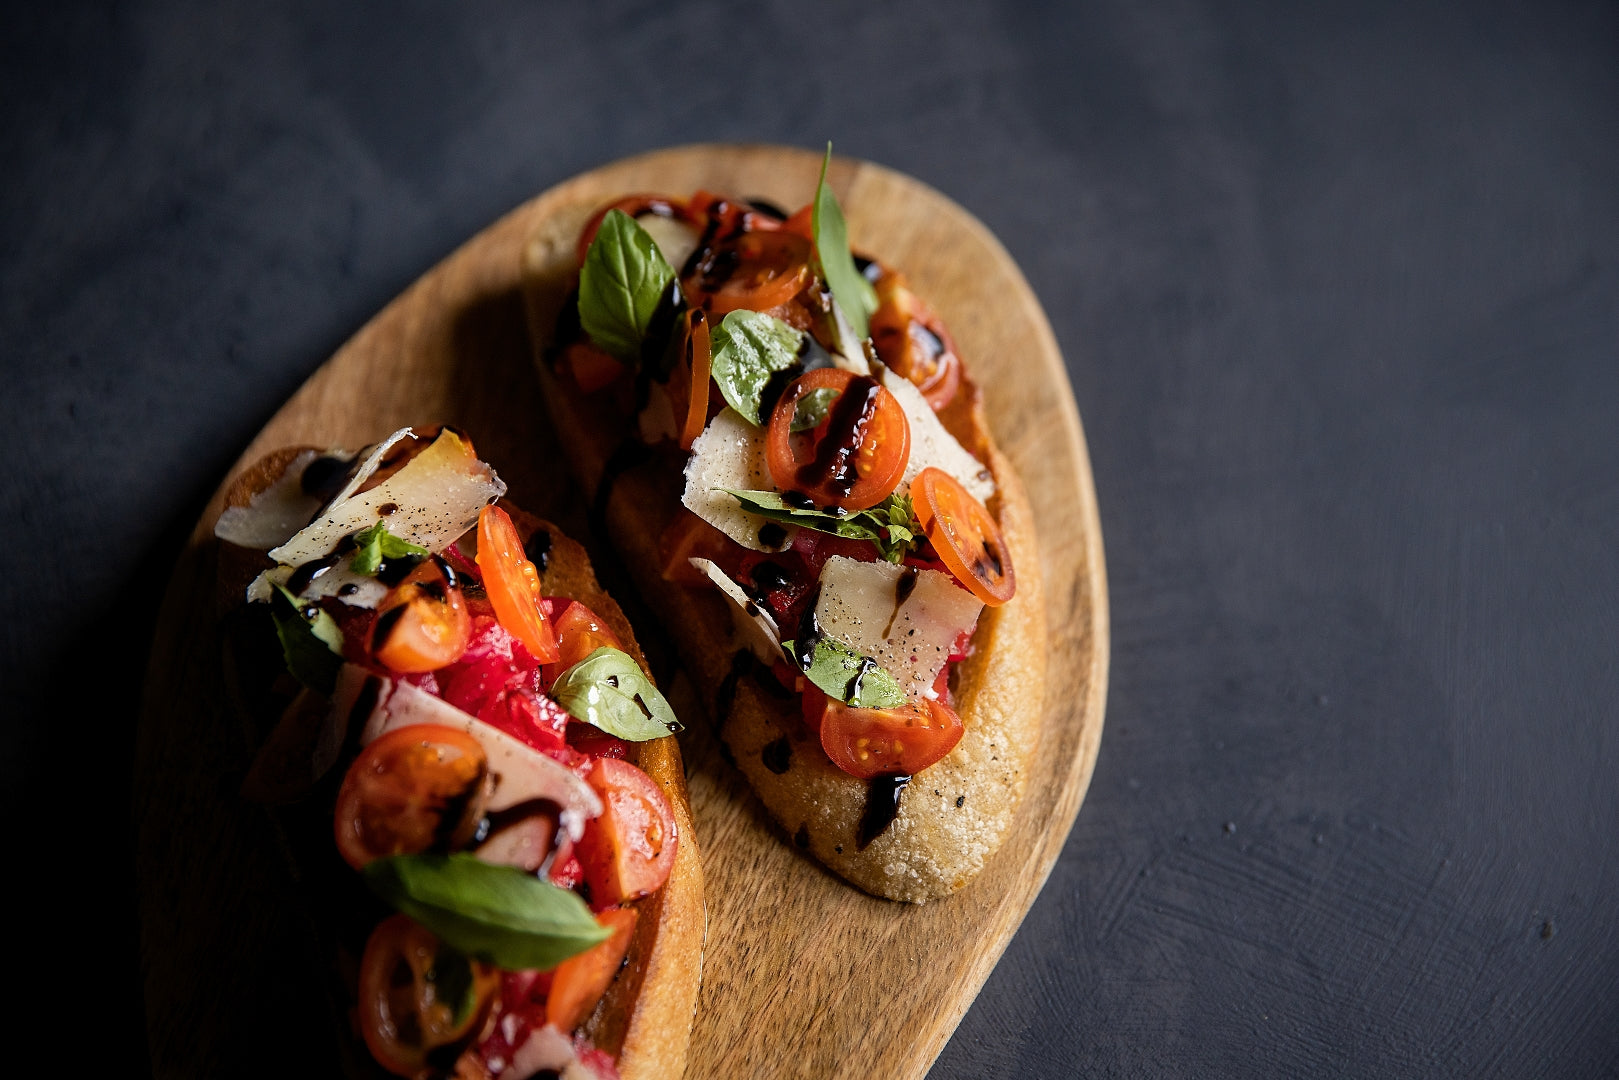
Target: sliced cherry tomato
(855,457)
(700,350)
(913,341)
(418,995)
(580,981)
(636,206)
(628,851)
(964,534)
(579,632)
(417,788)
(870,742)
(423,623)
(513,584)
(756,271)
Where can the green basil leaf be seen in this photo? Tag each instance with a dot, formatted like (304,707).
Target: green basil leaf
(609,690)
(620,286)
(499,914)
(850,677)
(376,544)
(852,292)
(812,408)
(771,506)
(749,347)
(311,643)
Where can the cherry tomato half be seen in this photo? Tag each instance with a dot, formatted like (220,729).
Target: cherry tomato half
(423,623)
(416,788)
(870,742)
(635,206)
(403,1017)
(964,534)
(855,457)
(699,348)
(757,271)
(629,850)
(513,584)
(580,632)
(580,981)
(913,341)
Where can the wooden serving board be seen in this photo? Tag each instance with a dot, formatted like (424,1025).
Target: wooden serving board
(803,975)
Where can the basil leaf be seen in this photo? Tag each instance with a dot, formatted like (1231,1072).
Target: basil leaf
(847,675)
(311,643)
(620,286)
(771,506)
(812,408)
(852,292)
(499,914)
(376,544)
(749,347)
(608,690)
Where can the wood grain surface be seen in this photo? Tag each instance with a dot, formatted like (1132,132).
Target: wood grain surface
(804,975)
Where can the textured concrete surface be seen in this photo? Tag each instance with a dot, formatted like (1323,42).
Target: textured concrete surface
(1338,286)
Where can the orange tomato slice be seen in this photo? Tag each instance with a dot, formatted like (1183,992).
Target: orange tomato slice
(513,584)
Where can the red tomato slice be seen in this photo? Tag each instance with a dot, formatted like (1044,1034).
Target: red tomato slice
(855,457)
(417,788)
(579,632)
(913,341)
(513,584)
(635,206)
(964,534)
(591,368)
(701,352)
(756,271)
(402,1016)
(906,740)
(580,981)
(423,623)
(629,850)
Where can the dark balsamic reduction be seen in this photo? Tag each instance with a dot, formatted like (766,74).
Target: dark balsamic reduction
(834,462)
(767,208)
(451,579)
(661,348)
(630,453)
(324,476)
(393,571)
(348,590)
(305,575)
(538,549)
(772,534)
(798,500)
(867,666)
(777,755)
(386,623)
(388,509)
(882,807)
(809,632)
(905,586)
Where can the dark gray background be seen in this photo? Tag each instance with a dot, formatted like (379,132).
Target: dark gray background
(1338,286)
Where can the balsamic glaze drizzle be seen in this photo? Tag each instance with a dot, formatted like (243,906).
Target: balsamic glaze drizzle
(882,807)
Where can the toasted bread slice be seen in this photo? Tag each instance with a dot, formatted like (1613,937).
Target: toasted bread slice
(953,815)
(644,1020)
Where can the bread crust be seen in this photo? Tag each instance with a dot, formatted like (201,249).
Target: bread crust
(953,815)
(644,1020)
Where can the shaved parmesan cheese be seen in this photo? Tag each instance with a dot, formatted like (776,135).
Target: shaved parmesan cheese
(730,453)
(367,592)
(675,239)
(435,498)
(373,459)
(274,514)
(858,606)
(521,773)
(932,445)
(754,626)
